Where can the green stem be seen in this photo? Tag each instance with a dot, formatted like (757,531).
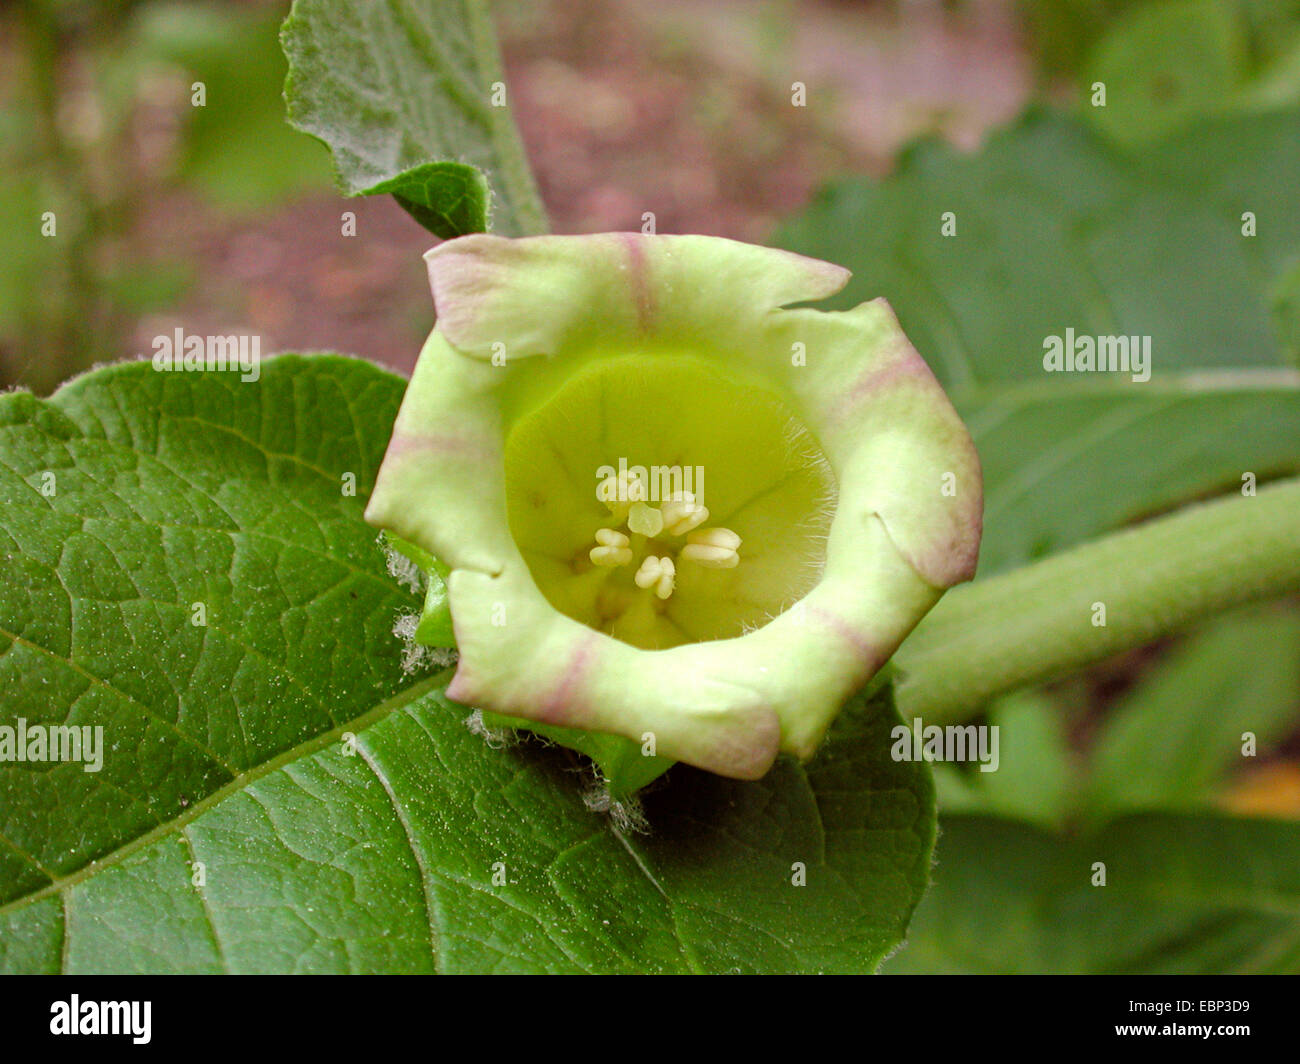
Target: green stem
(1038,623)
(514,176)
(59,351)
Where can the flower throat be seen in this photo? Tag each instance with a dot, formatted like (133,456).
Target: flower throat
(605,490)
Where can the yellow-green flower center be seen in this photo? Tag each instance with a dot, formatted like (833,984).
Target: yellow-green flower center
(664,500)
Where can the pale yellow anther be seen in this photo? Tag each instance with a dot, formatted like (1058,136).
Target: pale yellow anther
(713,548)
(649,571)
(659,573)
(610,557)
(682,513)
(710,557)
(667,578)
(715,537)
(612,551)
(645,519)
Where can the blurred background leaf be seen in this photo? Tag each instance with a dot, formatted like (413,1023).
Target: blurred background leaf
(99,122)
(1170,742)
(1056,230)
(1182,894)
(237,147)
(1035,778)
(1165,65)
(1066,33)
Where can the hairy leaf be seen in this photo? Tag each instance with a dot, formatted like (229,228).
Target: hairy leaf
(408,97)
(138,503)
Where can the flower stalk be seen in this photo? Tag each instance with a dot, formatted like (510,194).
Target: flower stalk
(1037,623)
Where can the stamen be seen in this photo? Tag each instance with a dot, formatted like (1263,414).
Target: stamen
(613,550)
(667,578)
(713,548)
(658,573)
(715,537)
(682,513)
(649,571)
(610,557)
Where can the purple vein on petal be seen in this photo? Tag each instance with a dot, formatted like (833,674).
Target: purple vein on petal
(561,703)
(639,279)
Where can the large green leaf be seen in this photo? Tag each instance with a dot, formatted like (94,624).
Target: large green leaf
(1055,230)
(1182,894)
(130,501)
(427,850)
(276,795)
(407,96)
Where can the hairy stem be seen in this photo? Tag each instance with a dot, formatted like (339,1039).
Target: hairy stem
(1046,619)
(514,173)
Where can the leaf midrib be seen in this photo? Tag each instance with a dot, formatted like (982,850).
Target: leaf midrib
(1268,380)
(239,783)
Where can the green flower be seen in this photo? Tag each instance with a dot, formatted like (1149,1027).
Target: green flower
(666,505)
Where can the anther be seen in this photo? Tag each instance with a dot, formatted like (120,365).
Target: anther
(713,548)
(659,573)
(667,578)
(681,513)
(612,551)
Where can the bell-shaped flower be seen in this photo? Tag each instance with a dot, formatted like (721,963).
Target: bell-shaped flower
(667,502)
